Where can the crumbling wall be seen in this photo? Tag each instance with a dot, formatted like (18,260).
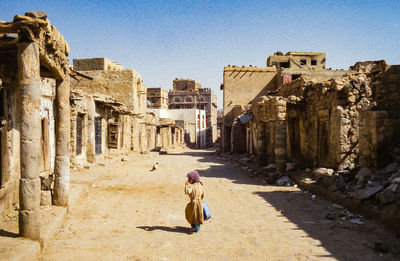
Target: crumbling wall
(380,126)
(328,113)
(10,139)
(118,84)
(271,111)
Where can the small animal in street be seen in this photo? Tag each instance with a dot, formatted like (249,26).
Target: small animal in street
(155,167)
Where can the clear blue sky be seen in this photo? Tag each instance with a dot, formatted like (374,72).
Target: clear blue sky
(163,40)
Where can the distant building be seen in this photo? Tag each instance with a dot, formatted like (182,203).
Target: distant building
(188,94)
(193,121)
(157,98)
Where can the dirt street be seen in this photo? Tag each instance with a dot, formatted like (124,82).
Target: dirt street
(131,213)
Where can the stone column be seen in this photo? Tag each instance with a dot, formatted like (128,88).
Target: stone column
(61,168)
(29,191)
(280,146)
(90,138)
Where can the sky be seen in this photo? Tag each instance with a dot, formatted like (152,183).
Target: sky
(164,40)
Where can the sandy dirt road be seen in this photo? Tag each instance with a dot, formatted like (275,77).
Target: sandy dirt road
(131,213)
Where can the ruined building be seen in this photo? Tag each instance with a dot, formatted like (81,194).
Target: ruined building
(188,94)
(295,110)
(35,87)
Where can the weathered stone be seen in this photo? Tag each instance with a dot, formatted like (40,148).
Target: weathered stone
(29,224)
(386,196)
(284,181)
(351,99)
(290,166)
(124,159)
(340,184)
(391,168)
(61,191)
(323,172)
(396,181)
(37,14)
(270,167)
(30,193)
(368,192)
(363,175)
(45,198)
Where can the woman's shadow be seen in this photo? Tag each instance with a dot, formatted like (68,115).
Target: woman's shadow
(176,229)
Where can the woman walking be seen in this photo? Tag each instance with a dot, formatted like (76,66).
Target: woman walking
(194,209)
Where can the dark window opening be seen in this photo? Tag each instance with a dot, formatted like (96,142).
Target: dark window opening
(285,65)
(295,76)
(113,130)
(313,62)
(303,62)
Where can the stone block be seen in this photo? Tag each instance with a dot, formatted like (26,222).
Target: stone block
(29,224)
(362,194)
(45,198)
(323,172)
(30,193)
(363,175)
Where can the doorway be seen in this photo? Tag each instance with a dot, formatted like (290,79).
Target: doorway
(79,133)
(97,130)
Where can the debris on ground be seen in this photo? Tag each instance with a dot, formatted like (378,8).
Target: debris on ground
(284,181)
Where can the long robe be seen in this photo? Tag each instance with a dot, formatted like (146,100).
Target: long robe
(194,209)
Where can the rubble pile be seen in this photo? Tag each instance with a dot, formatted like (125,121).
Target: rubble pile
(380,187)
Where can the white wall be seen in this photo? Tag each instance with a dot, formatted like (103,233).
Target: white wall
(46,111)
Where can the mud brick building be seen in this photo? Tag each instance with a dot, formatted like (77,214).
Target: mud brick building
(314,117)
(35,86)
(109,112)
(157,98)
(241,86)
(188,94)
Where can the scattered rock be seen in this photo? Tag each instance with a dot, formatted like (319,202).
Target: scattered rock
(330,216)
(382,247)
(386,196)
(245,160)
(356,221)
(394,176)
(101,164)
(340,184)
(290,166)
(323,172)
(337,206)
(363,175)
(368,192)
(308,170)
(124,158)
(346,164)
(391,168)
(396,181)
(270,167)
(284,181)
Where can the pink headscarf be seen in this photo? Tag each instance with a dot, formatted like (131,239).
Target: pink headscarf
(194,176)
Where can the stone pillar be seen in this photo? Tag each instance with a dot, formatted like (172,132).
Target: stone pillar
(90,138)
(61,168)
(280,146)
(29,191)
